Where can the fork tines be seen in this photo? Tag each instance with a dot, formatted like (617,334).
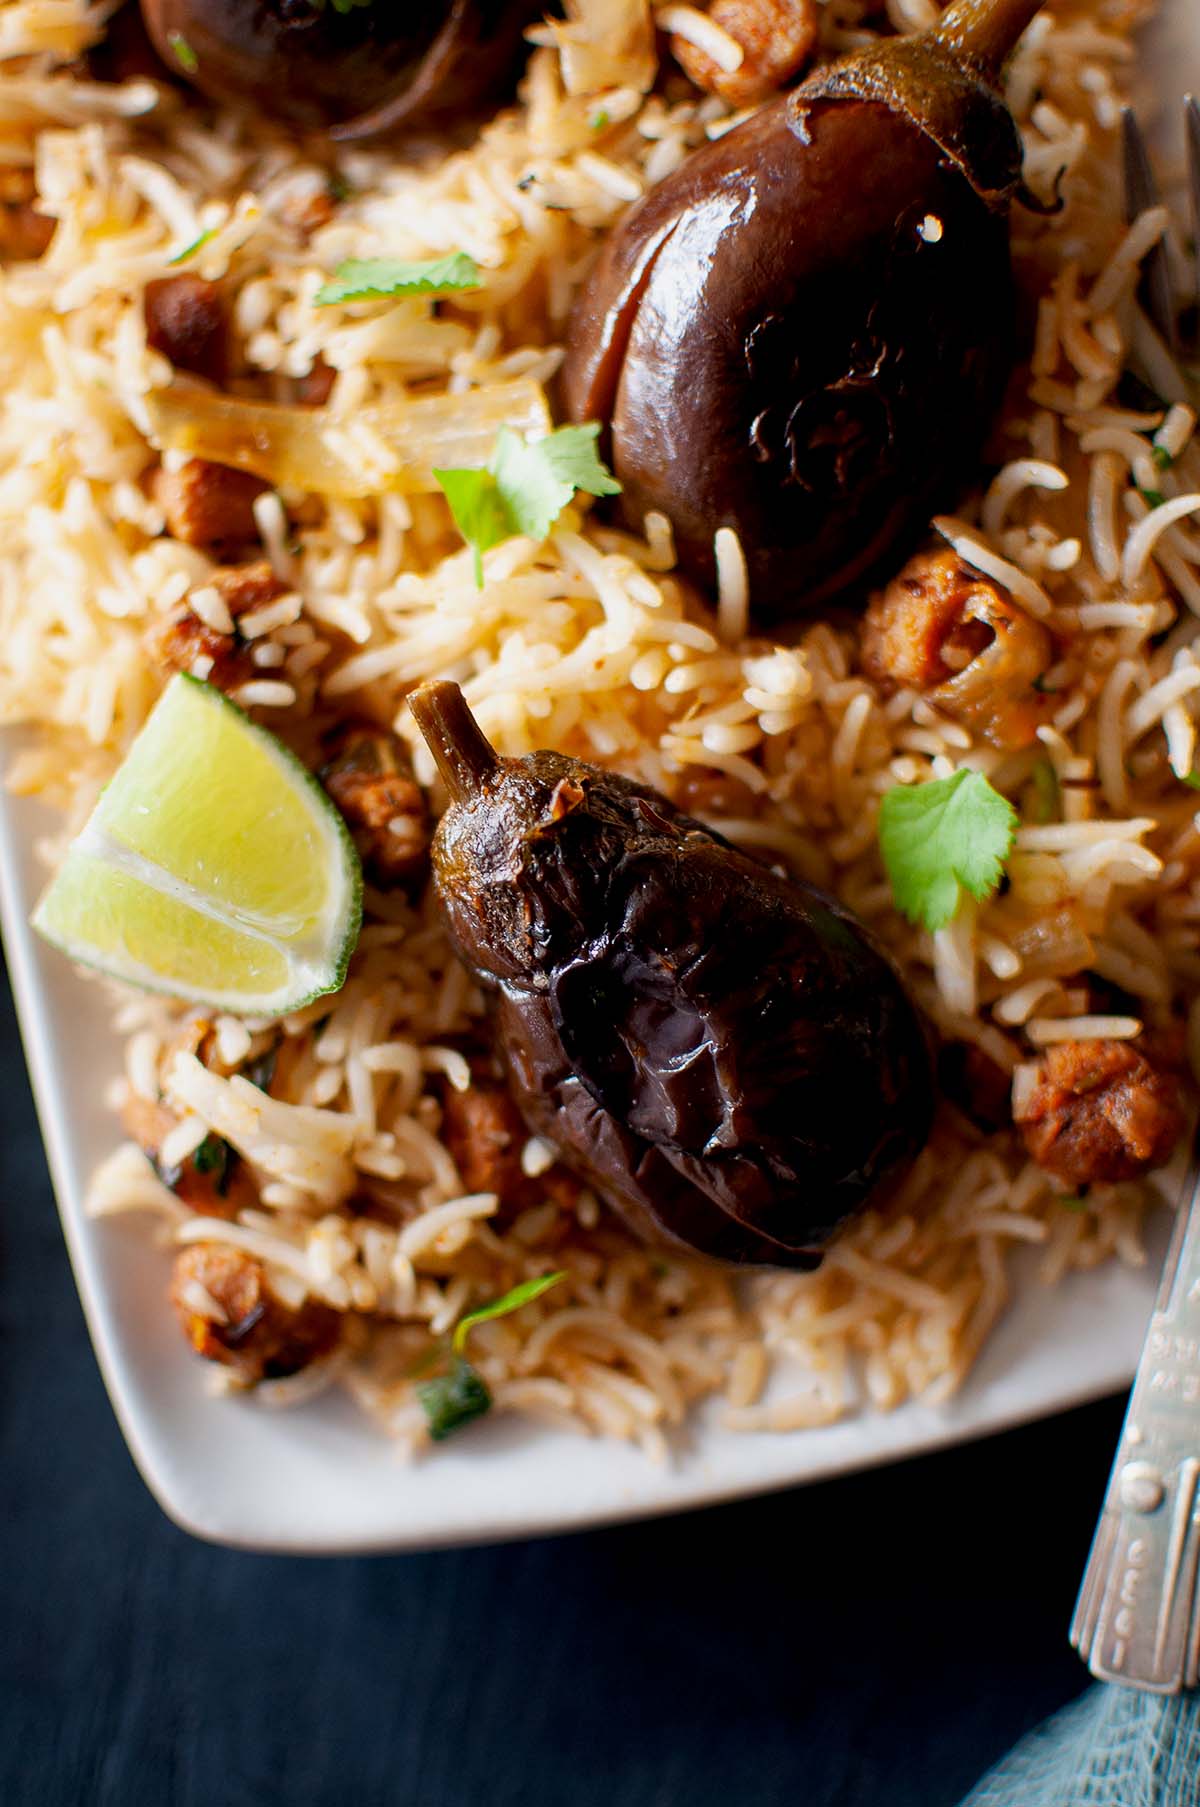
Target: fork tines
(1142,191)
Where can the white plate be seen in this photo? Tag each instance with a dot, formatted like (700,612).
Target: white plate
(320,1478)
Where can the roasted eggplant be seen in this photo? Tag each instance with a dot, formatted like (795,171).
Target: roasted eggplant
(355,70)
(803,334)
(722,1052)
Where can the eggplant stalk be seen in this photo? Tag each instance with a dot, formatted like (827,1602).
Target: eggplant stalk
(465,756)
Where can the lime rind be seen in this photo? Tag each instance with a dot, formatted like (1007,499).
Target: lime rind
(107,862)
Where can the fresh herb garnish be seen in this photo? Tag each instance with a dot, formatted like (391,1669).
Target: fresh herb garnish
(215,1156)
(500,1308)
(599,120)
(1162,458)
(183,53)
(340,6)
(461,1394)
(451,1400)
(525,487)
(339,188)
(1153,498)
(1075,1201)
(378,278)
(942,838)
(1192,780)
(1041,686)
(197,244)
(211,1155)
(1047,795)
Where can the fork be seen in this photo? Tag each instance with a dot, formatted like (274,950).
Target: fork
(1142,191)
(1137,1620)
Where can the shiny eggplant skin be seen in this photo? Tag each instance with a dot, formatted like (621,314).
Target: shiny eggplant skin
(805,332)
(725,1054)
(377,67)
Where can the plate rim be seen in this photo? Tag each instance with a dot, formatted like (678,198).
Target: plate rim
(997,1396)
(927,1430)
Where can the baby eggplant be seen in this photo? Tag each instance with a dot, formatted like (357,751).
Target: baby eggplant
(723,1053)
(356,69)
(804,332)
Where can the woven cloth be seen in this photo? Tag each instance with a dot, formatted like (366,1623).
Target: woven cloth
(1114,1747)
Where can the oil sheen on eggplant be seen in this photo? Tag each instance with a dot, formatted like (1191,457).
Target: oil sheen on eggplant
(357,71)
(724,1053)
(804,333)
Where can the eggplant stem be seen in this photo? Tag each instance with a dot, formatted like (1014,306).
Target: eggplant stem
(983,32)
(465,756)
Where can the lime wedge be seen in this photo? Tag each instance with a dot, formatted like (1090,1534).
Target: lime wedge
(214,867)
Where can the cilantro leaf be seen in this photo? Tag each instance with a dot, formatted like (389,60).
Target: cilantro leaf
(212,1155)
(197,244)
(941,838)
(1162,458)
(479,511)
(183,53)
(376,278)
(525,487)
(537,481)
(453,1399)
(1192,780)
(500,1308)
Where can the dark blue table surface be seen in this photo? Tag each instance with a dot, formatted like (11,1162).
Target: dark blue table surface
(874,1642)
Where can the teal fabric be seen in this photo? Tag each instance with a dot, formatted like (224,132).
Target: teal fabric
(1113,1747)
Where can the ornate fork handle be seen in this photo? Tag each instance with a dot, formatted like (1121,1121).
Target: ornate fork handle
(1137,1620)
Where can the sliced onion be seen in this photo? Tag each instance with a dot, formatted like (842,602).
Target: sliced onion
(396,446)
(1053,945)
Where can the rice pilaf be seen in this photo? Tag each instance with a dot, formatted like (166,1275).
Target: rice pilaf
(589,644)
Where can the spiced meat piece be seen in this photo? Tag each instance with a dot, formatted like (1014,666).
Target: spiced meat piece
(230,1315)
(209,505)
(24,232)
(1099,1111)
(945,629)
(181,638)
(486,1135)
(185,321)
(777,39)
(370,779)
(315,387)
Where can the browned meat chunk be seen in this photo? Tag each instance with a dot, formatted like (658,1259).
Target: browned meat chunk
(185,321)
(370,779)
(230,1315)
(210,505)
(307,209)
(777,38)
(213,1182)
(1099,1111)
(485,1133)
(245,587)
(24,232)
(314,389)
(180,638)
(945,629)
